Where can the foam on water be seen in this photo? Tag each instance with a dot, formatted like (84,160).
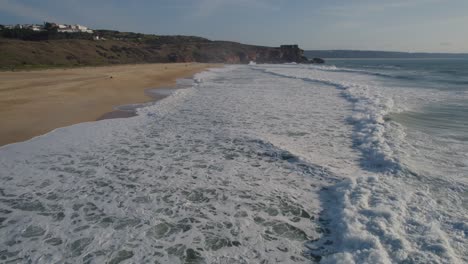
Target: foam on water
(186,181)
(253,164)
(395,214)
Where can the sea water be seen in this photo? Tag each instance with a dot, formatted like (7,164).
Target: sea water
(357,161)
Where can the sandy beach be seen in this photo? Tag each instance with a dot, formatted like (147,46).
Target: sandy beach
(35,102)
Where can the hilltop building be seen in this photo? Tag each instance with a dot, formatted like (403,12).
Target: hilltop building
(73,28)
(26,26)
(59,27)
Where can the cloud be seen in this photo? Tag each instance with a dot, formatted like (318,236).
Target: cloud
(18,9)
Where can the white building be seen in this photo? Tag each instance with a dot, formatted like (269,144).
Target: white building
(25,26)
(80,27)
(73,29)
(66,30)
(36,27)
(60,28)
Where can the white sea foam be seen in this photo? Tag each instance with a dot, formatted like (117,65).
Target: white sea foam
(393,215)
(258,163)
(188,180)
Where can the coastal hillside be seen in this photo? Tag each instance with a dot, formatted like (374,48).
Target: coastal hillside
(25,49)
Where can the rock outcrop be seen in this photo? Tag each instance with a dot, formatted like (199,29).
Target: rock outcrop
(291,53)
(236,53)
(318,60)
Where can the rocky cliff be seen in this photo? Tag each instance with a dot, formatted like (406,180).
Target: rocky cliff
(232,52)
(121,48)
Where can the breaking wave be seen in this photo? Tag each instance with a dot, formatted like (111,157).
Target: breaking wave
(252,164)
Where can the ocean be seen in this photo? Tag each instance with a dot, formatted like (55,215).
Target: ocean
(354,161)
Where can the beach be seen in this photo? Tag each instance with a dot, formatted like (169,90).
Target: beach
(35,102)
(265,163)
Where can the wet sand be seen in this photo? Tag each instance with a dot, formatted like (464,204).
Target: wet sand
(36,102)
(118,113)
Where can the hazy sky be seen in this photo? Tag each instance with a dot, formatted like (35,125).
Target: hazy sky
(402,25)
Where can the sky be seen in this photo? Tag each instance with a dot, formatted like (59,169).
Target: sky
(394,25)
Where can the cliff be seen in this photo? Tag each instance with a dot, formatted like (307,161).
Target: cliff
(122,48)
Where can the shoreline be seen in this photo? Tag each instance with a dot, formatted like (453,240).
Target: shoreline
(33,103)
(154,94)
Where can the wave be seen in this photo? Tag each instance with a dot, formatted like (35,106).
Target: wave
(226,171)
(366,72)
(392,72)
(384,214)
(368,118)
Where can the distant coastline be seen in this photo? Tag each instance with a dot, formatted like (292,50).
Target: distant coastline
(369,54)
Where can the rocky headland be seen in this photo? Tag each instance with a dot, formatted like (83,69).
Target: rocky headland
(113,47)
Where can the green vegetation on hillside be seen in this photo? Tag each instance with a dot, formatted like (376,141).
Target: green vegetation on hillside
(25,48)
